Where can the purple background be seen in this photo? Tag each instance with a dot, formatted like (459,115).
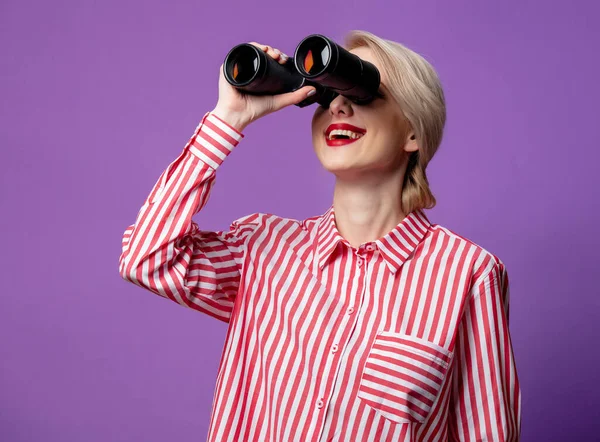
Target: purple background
(99,97)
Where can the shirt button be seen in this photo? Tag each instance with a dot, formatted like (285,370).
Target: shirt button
(370,248)
(320,403)
(334,348)
(360,262)
(350,310)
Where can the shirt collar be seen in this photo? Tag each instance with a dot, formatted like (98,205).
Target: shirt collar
(395,247)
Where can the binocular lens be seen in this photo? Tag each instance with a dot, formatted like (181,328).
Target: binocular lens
(308,62)
(323,61)
(314,55)
(243,65)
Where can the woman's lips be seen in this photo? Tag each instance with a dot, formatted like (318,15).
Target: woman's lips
(332,142)
(344,126)
(340,141)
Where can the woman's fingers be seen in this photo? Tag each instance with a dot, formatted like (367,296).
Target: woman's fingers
(283,100)
(274,53)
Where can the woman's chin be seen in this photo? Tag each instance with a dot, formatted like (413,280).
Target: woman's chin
(341,162)
(345,169)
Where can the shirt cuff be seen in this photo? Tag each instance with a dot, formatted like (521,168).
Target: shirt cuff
(213,140)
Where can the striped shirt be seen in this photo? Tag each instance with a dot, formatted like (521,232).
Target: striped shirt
(404,338)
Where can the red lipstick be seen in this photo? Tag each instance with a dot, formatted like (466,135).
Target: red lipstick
(343,141)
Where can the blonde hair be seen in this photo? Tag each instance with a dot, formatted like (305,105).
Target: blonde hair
(415,86)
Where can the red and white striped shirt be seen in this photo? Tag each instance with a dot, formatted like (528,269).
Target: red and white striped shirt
(404,338)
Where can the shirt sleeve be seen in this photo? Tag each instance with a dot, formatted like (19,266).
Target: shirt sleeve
(485,403)
(165,252)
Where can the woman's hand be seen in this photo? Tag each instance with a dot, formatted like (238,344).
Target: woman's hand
(239,109)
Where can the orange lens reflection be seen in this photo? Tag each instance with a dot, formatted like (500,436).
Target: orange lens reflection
(235,71)
(308,61)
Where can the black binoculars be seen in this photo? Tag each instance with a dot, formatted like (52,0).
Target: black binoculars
(317,62)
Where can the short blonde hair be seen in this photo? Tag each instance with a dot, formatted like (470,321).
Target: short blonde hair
(416,87)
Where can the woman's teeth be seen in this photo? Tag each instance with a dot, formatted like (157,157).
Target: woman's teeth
(337,133)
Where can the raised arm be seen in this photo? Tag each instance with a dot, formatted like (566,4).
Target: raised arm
(165,252)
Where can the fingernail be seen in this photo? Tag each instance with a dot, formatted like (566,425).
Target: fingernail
(311,92)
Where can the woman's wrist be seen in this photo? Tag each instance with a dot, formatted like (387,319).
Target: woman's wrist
(235,120)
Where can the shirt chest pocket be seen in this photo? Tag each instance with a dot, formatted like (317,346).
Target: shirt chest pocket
(403,376)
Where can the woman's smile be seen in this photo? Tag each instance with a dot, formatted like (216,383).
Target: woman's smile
(341,134)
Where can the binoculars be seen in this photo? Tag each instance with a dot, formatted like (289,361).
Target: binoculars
(317,62)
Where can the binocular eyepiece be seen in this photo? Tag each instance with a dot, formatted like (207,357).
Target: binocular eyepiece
(317,62)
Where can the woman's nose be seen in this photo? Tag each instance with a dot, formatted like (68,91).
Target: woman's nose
(340,104)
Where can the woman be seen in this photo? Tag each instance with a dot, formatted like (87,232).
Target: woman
(367,323)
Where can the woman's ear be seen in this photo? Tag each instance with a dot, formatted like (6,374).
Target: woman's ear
(411,142)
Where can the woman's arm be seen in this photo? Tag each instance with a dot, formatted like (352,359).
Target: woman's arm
(165,252)
(485,403)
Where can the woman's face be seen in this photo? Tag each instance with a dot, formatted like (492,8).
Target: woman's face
(385,141)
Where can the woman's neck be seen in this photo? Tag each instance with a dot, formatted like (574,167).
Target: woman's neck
(368,208)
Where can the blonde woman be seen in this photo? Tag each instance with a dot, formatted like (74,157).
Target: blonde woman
(366,323)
